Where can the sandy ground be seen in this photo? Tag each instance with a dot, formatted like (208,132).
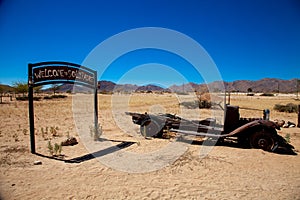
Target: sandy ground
(224,173)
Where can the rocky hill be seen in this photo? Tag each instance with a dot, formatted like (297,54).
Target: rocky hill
(6,88)
(266,85)
(263,85)
(152,88)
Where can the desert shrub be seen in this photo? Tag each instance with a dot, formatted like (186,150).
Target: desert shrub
(36,98)
(55,96)
(190,104)
(22,98)
(196,104)
(105,92)
(204,104)
(182,93)
(47,97)
(26,98)
(59,96)
(267,95)
(290,108)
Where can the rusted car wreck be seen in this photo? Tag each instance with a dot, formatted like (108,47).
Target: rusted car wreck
(247,132)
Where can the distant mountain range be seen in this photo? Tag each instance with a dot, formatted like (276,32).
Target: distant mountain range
(266,85)
(6,88)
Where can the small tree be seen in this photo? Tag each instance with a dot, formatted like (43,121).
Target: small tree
(55,88)
(249,92)
(37,89)
(20,87)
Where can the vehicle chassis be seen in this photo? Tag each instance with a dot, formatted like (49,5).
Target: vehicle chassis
(248,132)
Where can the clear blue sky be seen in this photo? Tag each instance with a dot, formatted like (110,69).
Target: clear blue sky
(247,39)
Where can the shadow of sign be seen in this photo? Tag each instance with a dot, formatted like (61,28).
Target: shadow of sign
(90,156)
(100,153)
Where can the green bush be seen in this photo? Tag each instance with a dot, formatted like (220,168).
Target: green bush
(290,108)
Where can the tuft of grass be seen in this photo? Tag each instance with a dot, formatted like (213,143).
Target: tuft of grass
(54,131)
(45,133)
(57,149)
(96,132)
(288,138)
(50,148)
(54,150)
(49,132)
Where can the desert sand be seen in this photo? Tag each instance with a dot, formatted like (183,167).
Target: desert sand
(226,172)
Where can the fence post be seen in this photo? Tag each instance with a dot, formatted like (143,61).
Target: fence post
(266,114)
(298,116)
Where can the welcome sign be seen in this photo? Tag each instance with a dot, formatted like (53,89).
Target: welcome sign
(45,73)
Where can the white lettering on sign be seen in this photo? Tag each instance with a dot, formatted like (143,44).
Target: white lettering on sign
(62,73)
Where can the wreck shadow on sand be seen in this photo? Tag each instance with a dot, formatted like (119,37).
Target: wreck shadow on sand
(232,144)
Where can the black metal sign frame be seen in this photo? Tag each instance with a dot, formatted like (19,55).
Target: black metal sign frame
(44,73)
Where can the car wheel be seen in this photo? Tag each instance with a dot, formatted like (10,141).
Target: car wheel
(262,140)
(151,129)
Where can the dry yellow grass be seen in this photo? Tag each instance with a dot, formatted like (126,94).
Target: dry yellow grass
(261,103)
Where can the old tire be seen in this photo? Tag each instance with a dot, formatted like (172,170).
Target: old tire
(262,140)
(151,129)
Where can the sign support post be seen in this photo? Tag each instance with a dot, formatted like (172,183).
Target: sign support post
(30,109)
